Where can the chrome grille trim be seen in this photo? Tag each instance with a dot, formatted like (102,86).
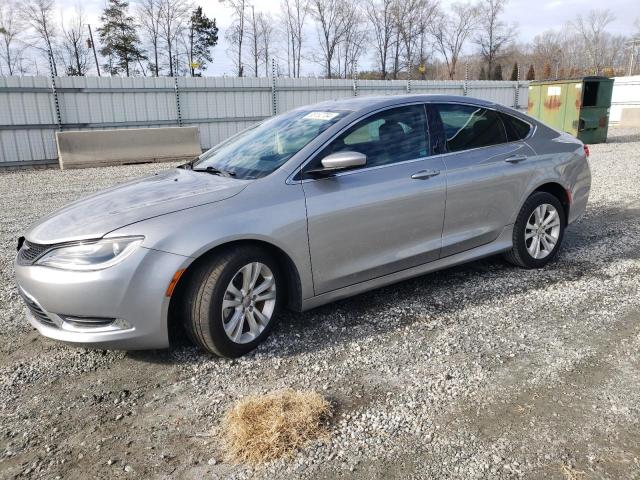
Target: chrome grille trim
(30,252)
(87,322)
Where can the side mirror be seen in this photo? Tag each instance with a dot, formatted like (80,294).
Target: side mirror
(339,161)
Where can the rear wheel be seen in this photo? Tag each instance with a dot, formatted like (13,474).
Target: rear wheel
(538,231)
(232,301)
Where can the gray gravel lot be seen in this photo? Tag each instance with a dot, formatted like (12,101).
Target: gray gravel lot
(481,371)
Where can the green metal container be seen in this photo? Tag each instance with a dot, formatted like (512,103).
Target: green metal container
(579,107)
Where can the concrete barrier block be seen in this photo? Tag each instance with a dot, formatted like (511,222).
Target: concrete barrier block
(97,148)
(630,117)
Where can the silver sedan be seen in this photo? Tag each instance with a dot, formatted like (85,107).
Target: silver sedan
(317,204)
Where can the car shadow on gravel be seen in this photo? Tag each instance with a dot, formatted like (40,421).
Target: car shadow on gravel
(442,293)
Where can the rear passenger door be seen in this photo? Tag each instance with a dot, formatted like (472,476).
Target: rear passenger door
(487,172)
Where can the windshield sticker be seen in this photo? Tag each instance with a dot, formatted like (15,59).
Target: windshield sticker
(320,115)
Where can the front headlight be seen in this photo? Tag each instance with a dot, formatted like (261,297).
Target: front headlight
(87,256)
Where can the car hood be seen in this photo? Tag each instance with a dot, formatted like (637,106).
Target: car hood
(116,207)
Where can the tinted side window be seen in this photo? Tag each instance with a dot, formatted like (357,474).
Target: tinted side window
(516,128)
(467,126)
(390,136)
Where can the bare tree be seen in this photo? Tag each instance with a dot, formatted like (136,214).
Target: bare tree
(405,13)
(380,15)
(149,16)
(355,38)
(633,48)
(413,19)
(74,52)
(451,31)
(566,50)
(255,45)
(396,9)
(287,34)
(547,44)
(614,54)
(266,29)
(592,29)
(332,25)
(494,33)
(10,29)
(235,33)
(174,15)
(549,48)
(294,13)
(38,14)
(424,46)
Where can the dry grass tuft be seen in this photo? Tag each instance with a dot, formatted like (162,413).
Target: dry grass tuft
(571,473)
(261,428)
(523,409)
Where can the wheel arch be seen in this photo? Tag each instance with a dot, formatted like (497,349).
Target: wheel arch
(553,187)
(293,290)
(560,192)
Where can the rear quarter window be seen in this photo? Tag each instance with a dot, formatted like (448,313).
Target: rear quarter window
(516,128)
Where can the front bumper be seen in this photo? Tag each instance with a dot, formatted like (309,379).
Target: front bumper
(131,292)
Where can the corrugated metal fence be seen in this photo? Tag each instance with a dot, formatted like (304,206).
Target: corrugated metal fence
(33,108)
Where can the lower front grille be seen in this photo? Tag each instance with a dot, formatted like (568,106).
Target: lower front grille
(37,312)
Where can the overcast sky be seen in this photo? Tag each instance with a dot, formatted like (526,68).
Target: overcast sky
(531,18)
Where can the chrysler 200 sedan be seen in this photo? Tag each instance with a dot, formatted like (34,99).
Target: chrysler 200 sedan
(317,204)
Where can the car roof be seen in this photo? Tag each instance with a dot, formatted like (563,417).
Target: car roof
(357,104)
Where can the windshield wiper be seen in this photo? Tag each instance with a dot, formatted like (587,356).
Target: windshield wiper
(214,171)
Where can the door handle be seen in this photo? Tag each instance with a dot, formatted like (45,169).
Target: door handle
(425,174)
(515,158)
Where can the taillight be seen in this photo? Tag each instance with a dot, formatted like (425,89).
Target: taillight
(586,150)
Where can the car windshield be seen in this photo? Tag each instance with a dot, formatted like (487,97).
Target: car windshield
(262,149)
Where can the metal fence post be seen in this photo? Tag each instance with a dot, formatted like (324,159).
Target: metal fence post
(176,89)
(408,85)
(355,79)
(274,94)
(54,91)
(465,85)
(517,100)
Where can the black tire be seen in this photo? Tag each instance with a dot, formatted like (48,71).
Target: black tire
(205,293)
(519,255)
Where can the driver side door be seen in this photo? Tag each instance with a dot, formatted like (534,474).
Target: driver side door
(383,217)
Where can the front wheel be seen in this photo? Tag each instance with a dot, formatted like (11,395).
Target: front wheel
(233,300)
(538,231)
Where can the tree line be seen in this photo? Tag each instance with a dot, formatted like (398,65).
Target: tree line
(150,37)
(393,39)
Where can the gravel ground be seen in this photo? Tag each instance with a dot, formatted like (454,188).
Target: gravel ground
(481,371)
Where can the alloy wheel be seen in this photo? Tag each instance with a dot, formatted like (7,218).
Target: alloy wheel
(542,231)
(249,302)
